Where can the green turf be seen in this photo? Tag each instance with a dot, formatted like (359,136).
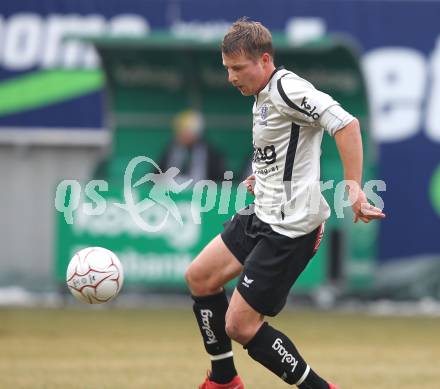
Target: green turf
(155,349)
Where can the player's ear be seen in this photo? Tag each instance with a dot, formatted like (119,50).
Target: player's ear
(266,58)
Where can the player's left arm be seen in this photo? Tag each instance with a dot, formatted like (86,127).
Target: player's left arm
(349,143)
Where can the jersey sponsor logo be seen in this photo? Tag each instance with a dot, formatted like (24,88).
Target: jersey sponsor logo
(267,154)
(308,108)
(206,314)
(266,171)
(247,281)
(286,357)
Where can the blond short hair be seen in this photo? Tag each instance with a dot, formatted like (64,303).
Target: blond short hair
(248,37)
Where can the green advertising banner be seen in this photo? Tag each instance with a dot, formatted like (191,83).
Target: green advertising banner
(158,259)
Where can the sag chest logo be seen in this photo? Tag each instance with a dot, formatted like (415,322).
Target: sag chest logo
(266,154)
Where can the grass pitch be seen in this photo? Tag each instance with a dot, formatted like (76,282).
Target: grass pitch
(161,349)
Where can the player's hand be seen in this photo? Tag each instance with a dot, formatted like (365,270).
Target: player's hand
(250,184)
(362,209)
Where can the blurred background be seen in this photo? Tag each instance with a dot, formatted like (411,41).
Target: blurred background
(85,86)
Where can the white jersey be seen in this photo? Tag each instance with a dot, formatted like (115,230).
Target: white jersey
(289,118)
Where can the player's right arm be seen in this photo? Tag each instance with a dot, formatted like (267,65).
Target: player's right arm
(308,106)
(250,184)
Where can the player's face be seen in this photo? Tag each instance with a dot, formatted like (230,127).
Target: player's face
(246,74)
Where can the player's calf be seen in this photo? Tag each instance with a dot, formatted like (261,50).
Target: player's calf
(210,313)
(275,351)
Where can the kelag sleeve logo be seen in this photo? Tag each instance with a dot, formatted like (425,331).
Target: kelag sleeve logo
(308,108)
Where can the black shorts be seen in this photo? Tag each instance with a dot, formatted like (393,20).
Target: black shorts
(271,262)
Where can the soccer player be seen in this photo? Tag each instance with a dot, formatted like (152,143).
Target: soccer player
(269,244)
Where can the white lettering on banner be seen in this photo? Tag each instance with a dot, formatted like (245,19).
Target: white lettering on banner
(404,90)
(70,53)
(146,74)
(140,265)
(128,25)
(2,35)
(30,40)
(115,221)
(22,40)
(302,30)
(200,30)
(396,84)
(433,111)
(286,356)
(206,314)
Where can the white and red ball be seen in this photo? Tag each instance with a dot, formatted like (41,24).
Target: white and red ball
(95,275)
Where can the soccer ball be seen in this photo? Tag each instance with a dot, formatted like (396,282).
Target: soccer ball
(94,275)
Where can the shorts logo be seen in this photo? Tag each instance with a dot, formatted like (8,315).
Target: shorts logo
(247,282)
(206,326)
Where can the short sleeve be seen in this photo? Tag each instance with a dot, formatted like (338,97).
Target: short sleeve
(302,101)
(335,118)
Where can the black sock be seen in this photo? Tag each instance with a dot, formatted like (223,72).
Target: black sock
(275,351)
(210,312)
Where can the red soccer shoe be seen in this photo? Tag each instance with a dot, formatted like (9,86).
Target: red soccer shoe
(236,383)
(332,386)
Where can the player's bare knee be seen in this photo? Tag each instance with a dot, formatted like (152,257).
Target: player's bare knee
(188,276)
(232,329)
(200,283)
(193,278)
(238,330)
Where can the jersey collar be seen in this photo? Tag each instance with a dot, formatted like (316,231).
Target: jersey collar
(268,81)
